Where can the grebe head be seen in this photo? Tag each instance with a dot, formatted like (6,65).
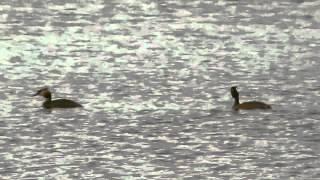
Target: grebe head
(43,92)
(234,92)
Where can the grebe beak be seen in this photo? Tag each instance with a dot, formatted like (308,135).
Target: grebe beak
(36,94)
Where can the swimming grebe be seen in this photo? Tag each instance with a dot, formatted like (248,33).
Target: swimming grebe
(59,103)
(246,105)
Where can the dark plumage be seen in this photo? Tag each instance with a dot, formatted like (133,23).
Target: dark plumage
(59,103)
(246,105)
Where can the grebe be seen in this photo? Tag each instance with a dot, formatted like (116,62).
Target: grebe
(58,103)
(246,105)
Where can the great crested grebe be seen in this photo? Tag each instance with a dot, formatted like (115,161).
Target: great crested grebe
(58,103)
(246,105)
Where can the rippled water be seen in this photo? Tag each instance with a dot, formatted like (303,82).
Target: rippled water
(154,78)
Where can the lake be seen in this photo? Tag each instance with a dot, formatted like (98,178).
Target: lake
(154,78)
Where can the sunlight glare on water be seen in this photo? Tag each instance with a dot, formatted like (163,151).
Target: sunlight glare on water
(154,78)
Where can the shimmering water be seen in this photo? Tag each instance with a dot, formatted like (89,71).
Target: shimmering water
(154,78)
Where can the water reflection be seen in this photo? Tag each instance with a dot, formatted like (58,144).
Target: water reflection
(154,79)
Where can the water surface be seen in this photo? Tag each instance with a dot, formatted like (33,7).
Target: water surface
(154,80)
